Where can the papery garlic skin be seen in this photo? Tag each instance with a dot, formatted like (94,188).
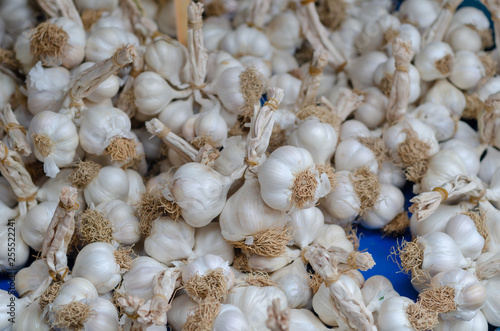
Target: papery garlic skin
(436,222)
(319,139)
(307,224)
(389,204)
(372,111)
(392,315)
(170,241)
(30,318)
(442,167)
(245,40)
(290,86)
(426,59)
(209,240)
(178,314)
(489,164)
(161,49)
(105,316)
(74,289)
(230,318)
(463,230)
(232,156)
(362,69)
(351,155)
(12,231)
(445,93)
(96,263)
(467,70)
(137,281)
(437,117)
(105,90)
(491,307)
(34,226)
(293,279)
(479,322)
(176,113)
(111,183)
(136,187)
(441,253)
(104,42)
(277,178)
(30,278)
(272,264)
(375,291)
(46,88)
(122,219)
(342,203)
(59,143)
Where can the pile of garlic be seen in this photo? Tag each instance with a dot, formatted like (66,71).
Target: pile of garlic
(216,183)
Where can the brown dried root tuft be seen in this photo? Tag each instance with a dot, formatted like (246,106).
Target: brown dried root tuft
(199,142)
(49,294)
(329,171)
(414,154)
(490,66)
(486,35)
(215,8)
(421,319)
(211,285)
(304,53)
(332,13)
(352,235)
(8,59)
(259,279)
(389,35)
(398,225)
(35,169)
(377,146)
(277,139)
(123,257)
(90,16)
(439,299)
(304,188)
(43,144)
(385,84)
(252,85)
(480,221)
(72,316)
(315,281)
(270,243)
(367,188)
(84,173)
(48,39)
(93,227)
(153,206)
(322,113)
(240,261)
(122,149)
(202,317)
(473,106)
(411,256)
(445,65)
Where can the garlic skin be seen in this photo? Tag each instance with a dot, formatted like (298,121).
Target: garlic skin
(211,124)
(204,264)
(392,315)
(214,29)
(290,86)
(30,278)
(58,140)
(466,30)
(178,314)
(426,61)
(387,70)
(34,226)
(443,92)
(176,113)
(227,87)
(466,153)
(436,222)
(464,38)
(389,204)
(389,173)
(170,241)
(351,155)
(371,37)
(362,69)
(245,40)
(46,88)
(105,90)
(442,167)
(307,224)
(303,319)
(7,213)
(437,117)
(123,221)
(21,248)
(420,13)
(96,263)
(111,183)
(283,62)
(467,70)
(463,230)
(74,289)
(254,302)
(372,112)
(478,323)
(342,203)
(441,253)
(30,318)
(230,318)
(168,58)
(489,164)
(319,139)
(277,177)
(272,264)
(209,240)
(105,317)
(8,89)
(137,281)
(375,291)
(353,129)
(293,280)
(17,306)
(136,187)
(102,43)
(283,31)
(232,156)
(491,307)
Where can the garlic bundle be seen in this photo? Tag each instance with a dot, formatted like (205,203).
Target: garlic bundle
(34,226)
(294,281)
(289,180)
(123,221)
(170,241)
(55,139)
(209,240)
(102,43)
(46,88)
(435,61)
(152,93)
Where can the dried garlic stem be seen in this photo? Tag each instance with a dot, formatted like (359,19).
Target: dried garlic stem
(352,312)
(12,168)
(142,25)
(59,233)
(310,83)
(426,203)
(400,91)
(198,55)
(355,260)
(87,81)
(185,150)
(437,30)
(64,8)
(278,319)
(15,131)
(261,128)
(347,102)
(258,12)
(317,34)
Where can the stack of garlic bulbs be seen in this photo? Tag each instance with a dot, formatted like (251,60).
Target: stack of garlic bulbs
(213,178)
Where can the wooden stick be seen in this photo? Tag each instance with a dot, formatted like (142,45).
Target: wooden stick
(181,7)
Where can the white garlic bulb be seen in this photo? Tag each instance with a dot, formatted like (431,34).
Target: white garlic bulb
(333,235)
(97,262)
(437,117)
(436,222)
(286,171)
(464,38)
(29,279)
(161,49)
(468,154)
(303,319)
(105,90)
(210,124)
(102,43)
(170,241)
(283,31)
(307,224)
(390,173)
(353,129)
(46,88)
(176,113)
(441,168)
(372,112)
(8,89)
(34,226)
(136,187)
(362,69)
(478,323)
(389,204)
(467,70)
(443,92)
(435,61)
(491,308)
(30,318)
(230,318)
(232,156)
(489,164)
(10,237)
(463,230)
(7,213)
(342,203)
(294,281)
(54,139)
(384,74)
(351,155)
(290,86)
(393,316)
(214,29)
(200,191)
(11,306)
(110,183)
(209,240)
(137,281)
(421,13)
(245,40)
(283,62)
(108,5)
(123,221)
(178,314)
(376,290)
(74,289)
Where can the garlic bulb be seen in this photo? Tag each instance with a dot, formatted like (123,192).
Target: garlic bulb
(389,204)
(105,90)
(122,219)
(109,184)
(286,172)
(290,86)
(8,89)
(170,241)
(11,306)
(35,224)
(443,92)
(74,289)
(178,314)
(372,112)
(176,113)
(467,70)
(232,156)
(375,291)
(442,167)
(353,129)
(102,43)
(138,279)
(230,318)
(478,323)
(491,307)
(437,117)
(435,61)
(46,88)
(307,224)
(214,29)
(371,36)
(152,93)
(283,62)
(352,154)
(469,30)
(29,279)
(31,318)
(161,49)
(420,13)
(254,301)
(390,173)
(10,237)
(342,203)
(211,126)
(136,187)
(294,281)
(55,140)
(489,164)
(208,186)
(384,75)
(463,230)
(468,154)
(245,40)
(7,213)
(436,222)
(271,264)
(464,38)
(393,315)
(100,264)
(362,69)
(283,31)
(209,240)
